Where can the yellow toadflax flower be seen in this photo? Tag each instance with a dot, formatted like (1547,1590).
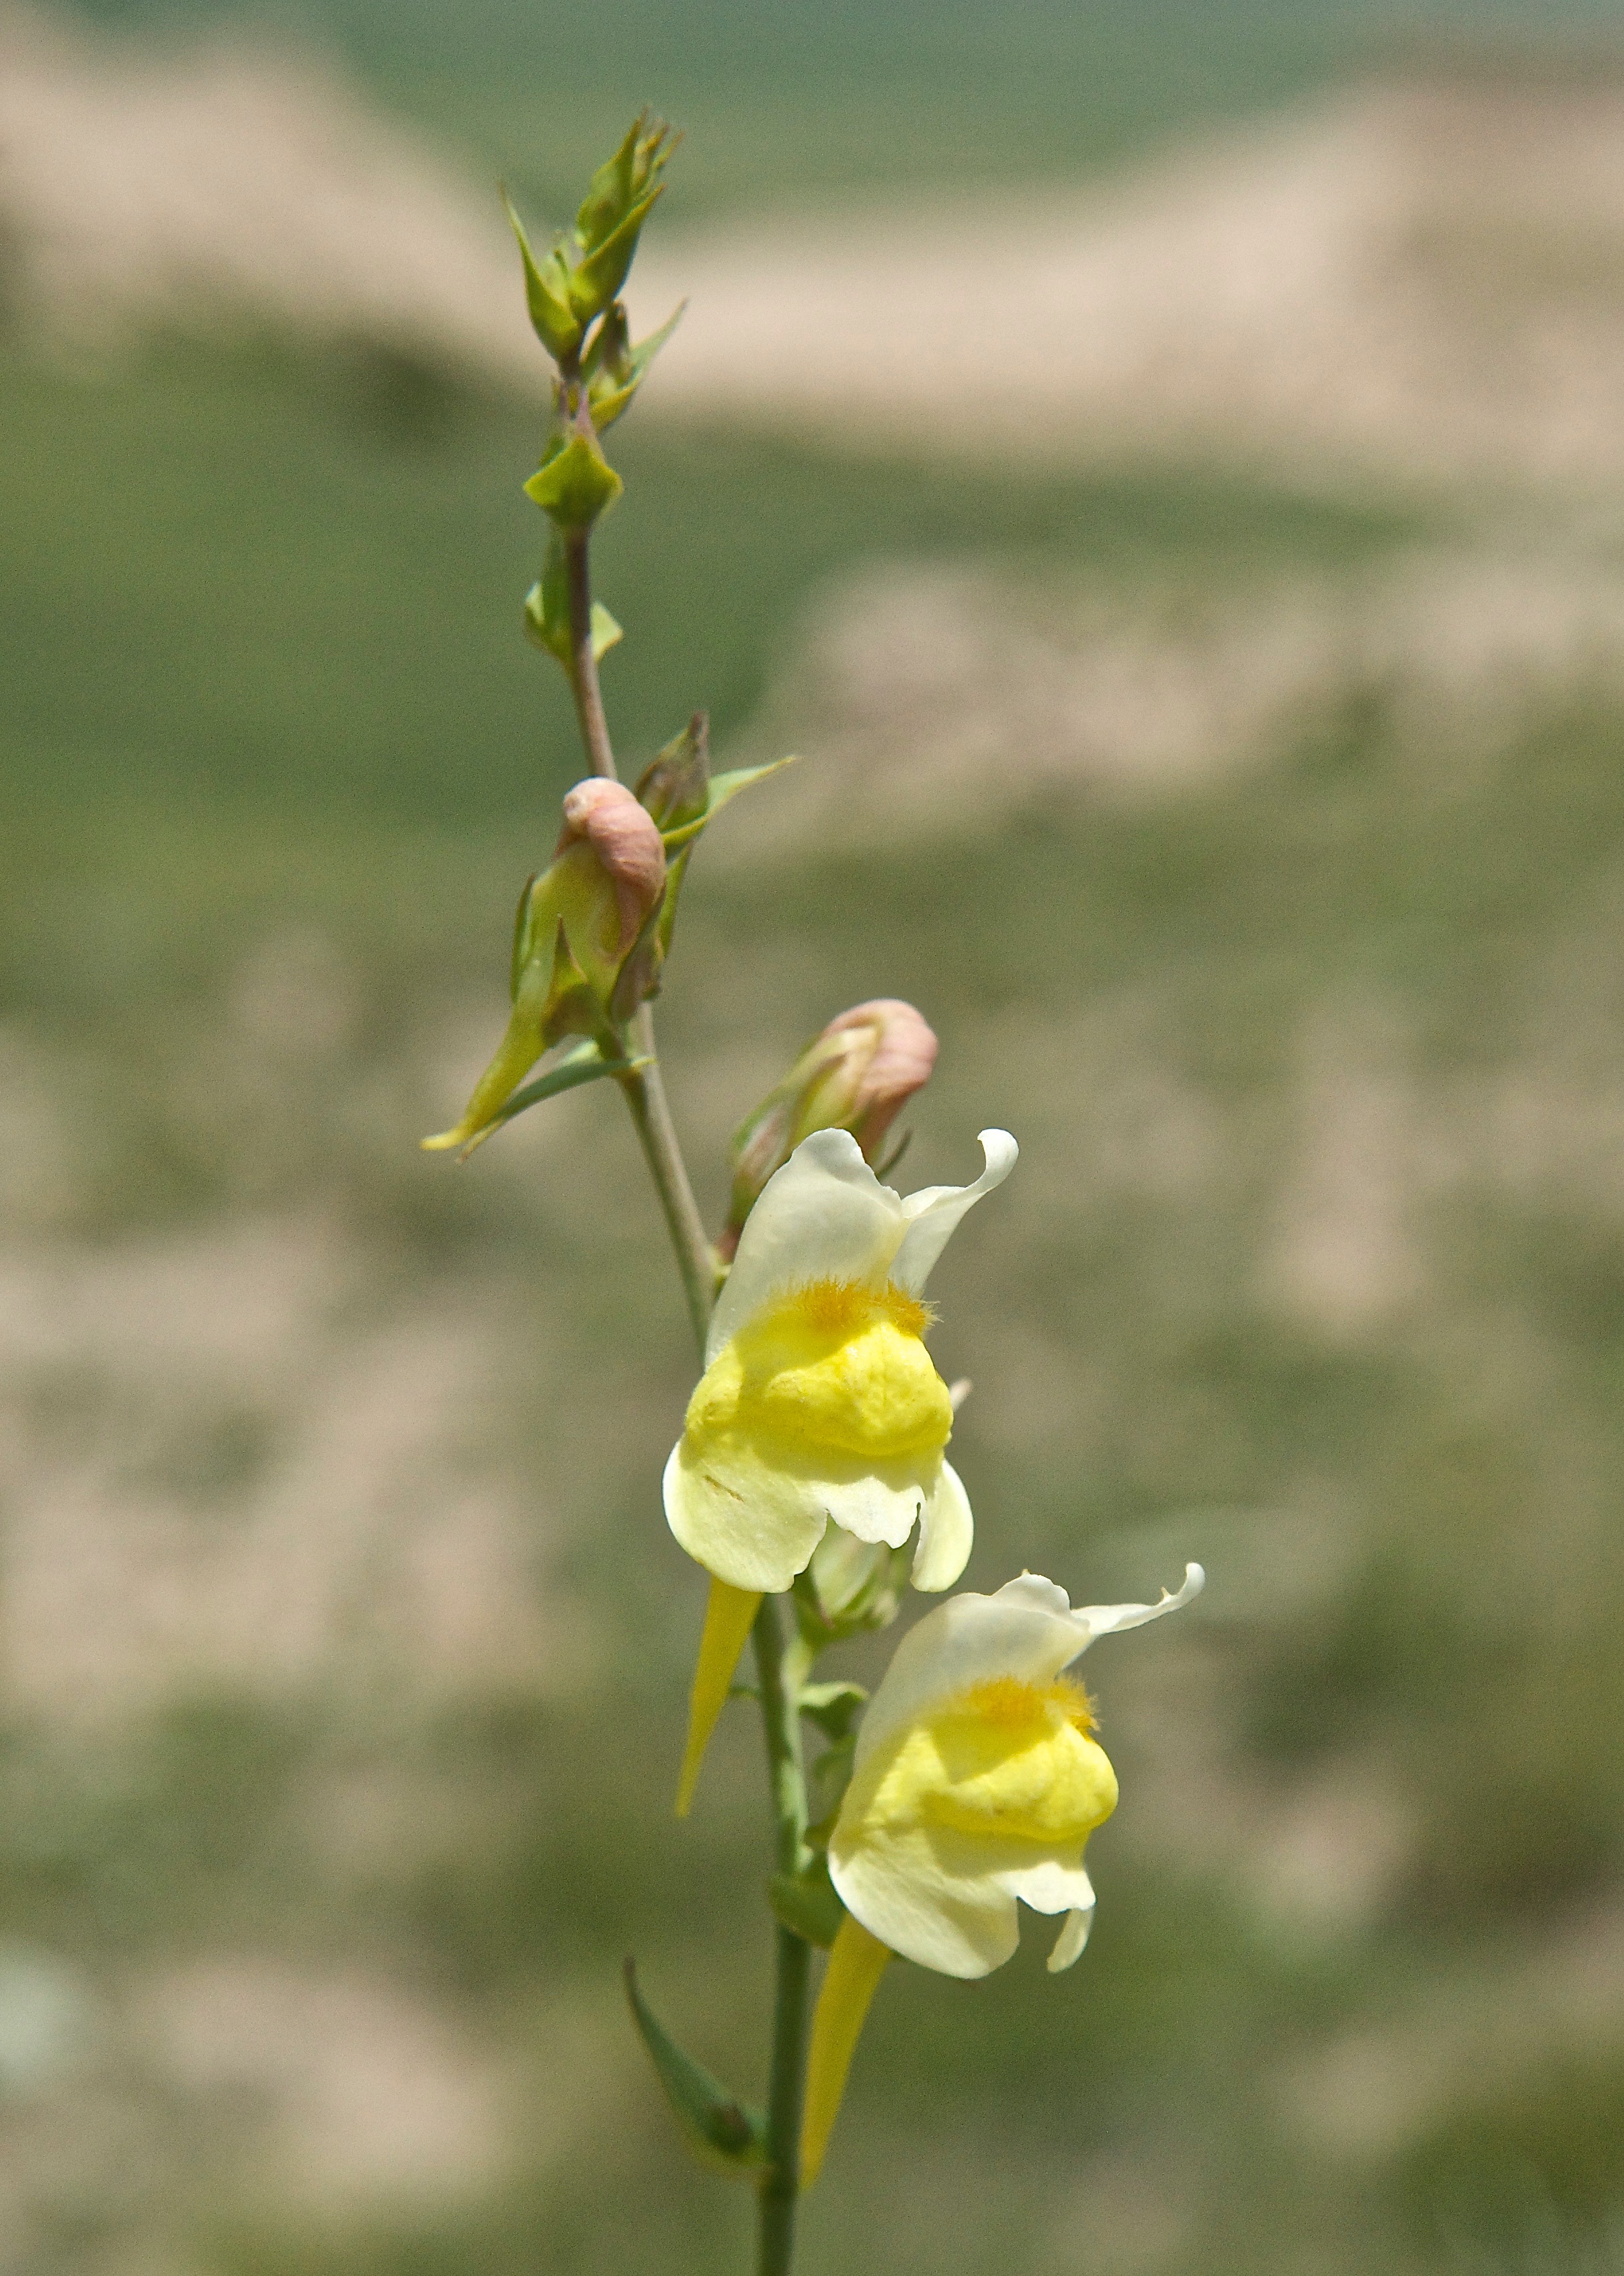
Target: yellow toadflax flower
(819,1403)
(976,1784)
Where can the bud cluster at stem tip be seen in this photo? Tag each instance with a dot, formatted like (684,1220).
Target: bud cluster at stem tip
(573,294)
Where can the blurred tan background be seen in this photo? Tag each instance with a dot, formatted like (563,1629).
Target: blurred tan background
(1163,467)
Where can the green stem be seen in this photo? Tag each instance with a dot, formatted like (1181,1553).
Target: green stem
(781,1670)
(645,1094)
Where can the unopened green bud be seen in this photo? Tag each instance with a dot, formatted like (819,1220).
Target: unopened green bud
(610,222)
(615,369)
(547,293)
(856,1075)
(580,925)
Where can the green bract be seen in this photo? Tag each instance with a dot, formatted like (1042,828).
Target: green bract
(574,483)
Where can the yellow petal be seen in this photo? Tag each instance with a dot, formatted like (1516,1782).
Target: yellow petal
(856,1963)
(728,1618)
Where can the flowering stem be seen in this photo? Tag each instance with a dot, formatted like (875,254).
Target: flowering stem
(781,1668)
(780,1671)
(645,1091)
(645,1094)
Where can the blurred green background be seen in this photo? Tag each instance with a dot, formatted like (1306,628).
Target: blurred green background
(1254,840)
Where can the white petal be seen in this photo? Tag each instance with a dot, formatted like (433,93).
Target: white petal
(946,1533)
(1026,1630)
(931,1895)
(1093,1620)
(1051,1887)
(749,1528)
(873,1507)
(934,1211)
(1068,1945)
(825,1216)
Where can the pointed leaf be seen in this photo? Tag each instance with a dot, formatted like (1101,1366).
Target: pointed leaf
(723,787)
(583,1062)
(546,294)
(721,2131)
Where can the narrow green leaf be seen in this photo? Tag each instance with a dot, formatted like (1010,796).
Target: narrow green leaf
(546,294)
(807,1904)
(723,788)
(583,1062)
(721,2131)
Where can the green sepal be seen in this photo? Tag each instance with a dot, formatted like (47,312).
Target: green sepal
(724,2133)
(619,371)
(619,201)
(575,483)
(849,1588)
(723,787)
(676,871)
(598,276)
(546,294)
(806,1903)
(639,976)
(675,788)
(583,1062)
(524,935)
(610,191)
(833,1707)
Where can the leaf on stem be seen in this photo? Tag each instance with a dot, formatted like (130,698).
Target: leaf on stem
(583,1062)
(806,1903)
(722,2133)
(574,483)
(833,1707)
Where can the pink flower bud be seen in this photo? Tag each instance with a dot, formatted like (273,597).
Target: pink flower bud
(901,1052)
(856,1075)
(624,837)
